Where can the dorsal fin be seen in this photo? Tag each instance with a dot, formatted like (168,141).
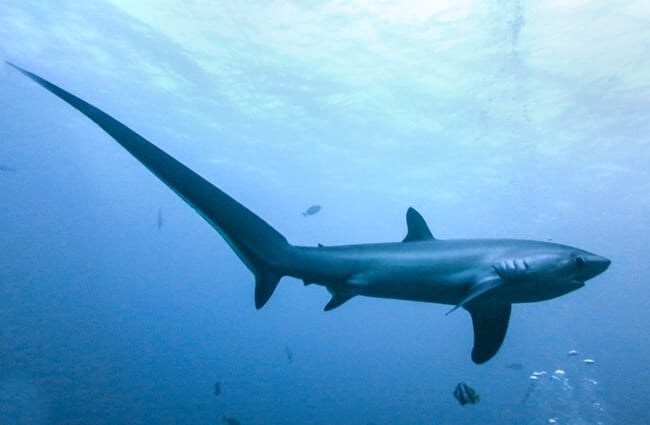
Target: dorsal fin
(417,227)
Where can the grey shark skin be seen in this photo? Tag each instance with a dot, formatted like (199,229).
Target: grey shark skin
(483,276)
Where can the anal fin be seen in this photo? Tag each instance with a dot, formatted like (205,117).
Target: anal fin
(336,300)
(343,292)
(490,322)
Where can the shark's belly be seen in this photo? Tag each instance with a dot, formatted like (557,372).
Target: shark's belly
(535,291)
(449,289)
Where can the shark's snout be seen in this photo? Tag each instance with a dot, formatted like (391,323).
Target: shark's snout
(593,265)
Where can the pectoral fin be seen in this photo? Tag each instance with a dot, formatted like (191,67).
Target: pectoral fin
(478,289)
(490,321)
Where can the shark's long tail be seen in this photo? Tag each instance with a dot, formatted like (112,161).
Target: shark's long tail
(263,249)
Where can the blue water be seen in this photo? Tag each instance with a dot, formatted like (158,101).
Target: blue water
(493,118)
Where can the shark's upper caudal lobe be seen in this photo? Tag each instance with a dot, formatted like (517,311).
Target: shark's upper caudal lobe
(483,276)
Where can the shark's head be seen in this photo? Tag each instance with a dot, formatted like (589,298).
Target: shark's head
(548,273)
(586,265)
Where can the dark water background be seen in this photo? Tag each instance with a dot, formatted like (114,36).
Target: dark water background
(106,318)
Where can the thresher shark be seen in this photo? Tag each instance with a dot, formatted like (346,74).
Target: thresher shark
(483,276)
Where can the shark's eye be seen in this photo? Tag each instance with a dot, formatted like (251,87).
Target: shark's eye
(580,262)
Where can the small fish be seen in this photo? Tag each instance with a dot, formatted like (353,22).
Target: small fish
(572,353)
(589,361)
(160,219)
(217,389)
(312,210)
(230,421)
(465,394)
(515,366)
(289,354)
(6,168)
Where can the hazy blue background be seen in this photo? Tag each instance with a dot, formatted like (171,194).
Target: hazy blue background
(493,118)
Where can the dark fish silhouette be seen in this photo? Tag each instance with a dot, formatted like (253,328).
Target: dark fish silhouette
(311,210)
(217,389)
(10,169)
(289,354)
(230,421)
(515,366)
(465,394)
(160,219)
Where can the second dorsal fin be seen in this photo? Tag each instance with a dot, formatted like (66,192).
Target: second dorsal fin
(417,227)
